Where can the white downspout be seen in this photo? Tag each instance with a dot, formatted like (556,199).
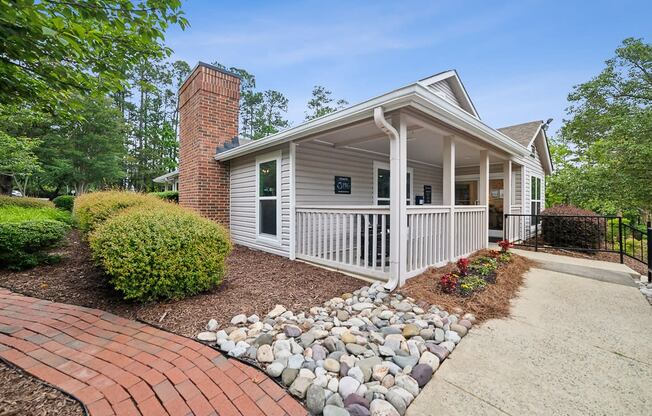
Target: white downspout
(394,220)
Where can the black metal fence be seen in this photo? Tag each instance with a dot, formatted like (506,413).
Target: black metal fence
(587,233)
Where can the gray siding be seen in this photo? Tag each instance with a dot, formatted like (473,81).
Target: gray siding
(444,87)
(317,164)
(243,203)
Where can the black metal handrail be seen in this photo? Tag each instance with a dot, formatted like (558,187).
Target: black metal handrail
(588,233)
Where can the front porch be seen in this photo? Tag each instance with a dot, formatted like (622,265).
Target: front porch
(343,214)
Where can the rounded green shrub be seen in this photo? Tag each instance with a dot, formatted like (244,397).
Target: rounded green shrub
(65,202)
(162,252)
(171,196)
(570,226)
(92,209)
(22,242)
(13,201)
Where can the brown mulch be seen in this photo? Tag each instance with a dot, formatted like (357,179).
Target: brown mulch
(492,302)
(635,265)
(22,394)
(255,281)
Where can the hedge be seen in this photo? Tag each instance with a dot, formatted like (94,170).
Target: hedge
(93,208)
(65,202)
(560,227)
(160,252)
(26,232)
(171,196)
(14,201)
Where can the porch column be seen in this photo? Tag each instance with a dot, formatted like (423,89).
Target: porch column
(401,197)
(483,193)
(449,191)
(507,195)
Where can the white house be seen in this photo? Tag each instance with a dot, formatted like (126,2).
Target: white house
(170,180)
(323,191)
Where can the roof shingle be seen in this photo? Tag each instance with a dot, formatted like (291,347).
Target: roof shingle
(522,133)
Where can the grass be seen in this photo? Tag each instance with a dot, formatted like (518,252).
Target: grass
(15,214)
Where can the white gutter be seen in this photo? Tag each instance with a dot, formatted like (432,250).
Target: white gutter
(394,269)
(415,95)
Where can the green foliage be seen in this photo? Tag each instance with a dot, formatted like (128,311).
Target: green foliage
(55,49)
(13,201)
(603,153)
(470,284)
(26,231)
(17,159)
(560,227)
(322,103)
(171,196)
(162,252)
(65,202)
(92,209)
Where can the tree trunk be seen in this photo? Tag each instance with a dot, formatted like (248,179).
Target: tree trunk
(6,182)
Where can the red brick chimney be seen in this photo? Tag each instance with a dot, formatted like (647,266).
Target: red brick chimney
(209,101)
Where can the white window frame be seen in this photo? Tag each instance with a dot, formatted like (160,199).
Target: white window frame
(540,200)
(268,238)
(384,165)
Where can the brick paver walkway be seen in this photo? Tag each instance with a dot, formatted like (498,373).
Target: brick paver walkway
(123,367)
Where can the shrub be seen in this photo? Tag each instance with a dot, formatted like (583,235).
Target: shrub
(170,196)
(92,209)
(65,202)
(160,252)
(561,227)
(14,201)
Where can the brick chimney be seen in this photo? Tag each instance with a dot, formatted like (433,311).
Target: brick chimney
(208,116)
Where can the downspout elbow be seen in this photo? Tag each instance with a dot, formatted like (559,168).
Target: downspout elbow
(384,126)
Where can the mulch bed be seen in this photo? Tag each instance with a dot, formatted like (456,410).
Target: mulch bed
(254,283)
(492,302)
(22,394)
(635,265)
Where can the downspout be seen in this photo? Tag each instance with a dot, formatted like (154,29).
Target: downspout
(392,133)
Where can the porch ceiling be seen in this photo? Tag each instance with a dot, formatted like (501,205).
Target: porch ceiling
(424,145)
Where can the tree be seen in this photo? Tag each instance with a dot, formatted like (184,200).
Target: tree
(610,134)
(86,152)
(17,161)
(321,103)
(52,50)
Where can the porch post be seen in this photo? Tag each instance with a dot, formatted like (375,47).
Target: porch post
(449,191)
(293,193)
(394,211)
(483,193)
(507,194)
(401,196)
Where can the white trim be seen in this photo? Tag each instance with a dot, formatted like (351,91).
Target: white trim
(415,95)
(384,165)
(267,238)
(459,86)
(293,199)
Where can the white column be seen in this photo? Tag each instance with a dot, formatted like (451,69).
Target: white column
(394,210)
(483,193)
(449,190)
(507,194)
(401,196)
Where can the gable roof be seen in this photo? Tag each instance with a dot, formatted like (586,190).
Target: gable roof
(523,133)
(453,82)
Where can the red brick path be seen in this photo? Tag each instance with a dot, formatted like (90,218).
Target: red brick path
(123,367)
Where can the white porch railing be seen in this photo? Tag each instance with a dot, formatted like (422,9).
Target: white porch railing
(515,230)
(351,238)
(427,236)
(470,229)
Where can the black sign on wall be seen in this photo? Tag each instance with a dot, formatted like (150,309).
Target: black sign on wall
(427,194)
(342,184)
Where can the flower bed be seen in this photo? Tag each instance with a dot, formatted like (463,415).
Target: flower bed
(366,352)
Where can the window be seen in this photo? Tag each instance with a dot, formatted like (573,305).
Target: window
(267,196)
(535,197)
(382,184)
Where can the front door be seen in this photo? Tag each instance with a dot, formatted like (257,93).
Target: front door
(496,208)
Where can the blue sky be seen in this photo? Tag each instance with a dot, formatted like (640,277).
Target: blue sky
(518,60)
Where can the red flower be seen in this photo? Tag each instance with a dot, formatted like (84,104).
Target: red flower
(505,245)
(463,265)
(448,283)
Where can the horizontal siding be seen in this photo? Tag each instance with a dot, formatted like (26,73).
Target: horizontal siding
(243,203)
(318,164)
(444,88)
(497,168)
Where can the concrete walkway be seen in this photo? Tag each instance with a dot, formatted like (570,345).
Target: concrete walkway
(116,366)
(573,346)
